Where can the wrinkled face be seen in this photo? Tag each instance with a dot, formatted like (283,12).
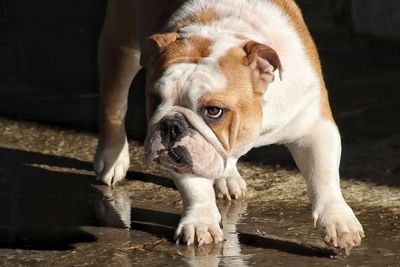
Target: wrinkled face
(203,106)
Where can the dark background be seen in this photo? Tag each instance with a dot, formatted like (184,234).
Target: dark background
(52,44)
(48,69)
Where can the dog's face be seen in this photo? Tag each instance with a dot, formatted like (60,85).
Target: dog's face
(204,101)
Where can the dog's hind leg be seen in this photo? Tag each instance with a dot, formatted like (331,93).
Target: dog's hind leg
(231,187)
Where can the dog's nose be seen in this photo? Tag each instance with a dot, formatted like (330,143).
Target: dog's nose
(173,130)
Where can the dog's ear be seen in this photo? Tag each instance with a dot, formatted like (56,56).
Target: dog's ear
(154,46)
(263,61)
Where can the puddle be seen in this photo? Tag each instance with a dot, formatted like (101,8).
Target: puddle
(113,222)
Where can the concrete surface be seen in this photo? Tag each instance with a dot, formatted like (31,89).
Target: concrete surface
(53,213)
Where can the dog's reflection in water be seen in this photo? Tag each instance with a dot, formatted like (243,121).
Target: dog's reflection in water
(114,210)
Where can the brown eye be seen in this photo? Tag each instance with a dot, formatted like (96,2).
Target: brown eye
(213,112)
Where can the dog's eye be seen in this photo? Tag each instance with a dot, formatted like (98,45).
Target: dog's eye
(213,112)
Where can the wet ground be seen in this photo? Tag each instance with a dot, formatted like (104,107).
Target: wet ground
(53,212)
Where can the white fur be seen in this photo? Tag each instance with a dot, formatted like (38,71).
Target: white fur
(200,216)
(184,83)
(317,154)
(230,185)
(291,106)
(111,164)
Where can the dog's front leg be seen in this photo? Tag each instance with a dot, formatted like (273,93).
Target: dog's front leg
(118,60)
(317,155)
(200,220)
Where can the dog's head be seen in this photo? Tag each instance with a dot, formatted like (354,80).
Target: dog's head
(204,100)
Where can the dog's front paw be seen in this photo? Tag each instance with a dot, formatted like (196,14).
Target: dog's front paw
(338,225)
(200,225)
(111,162)
(232,187)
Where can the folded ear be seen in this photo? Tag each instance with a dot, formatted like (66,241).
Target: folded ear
(264,61)
(154,46)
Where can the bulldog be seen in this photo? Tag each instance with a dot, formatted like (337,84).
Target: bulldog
(222,77)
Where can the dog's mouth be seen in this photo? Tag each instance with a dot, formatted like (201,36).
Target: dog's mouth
(176,158)
(195,153)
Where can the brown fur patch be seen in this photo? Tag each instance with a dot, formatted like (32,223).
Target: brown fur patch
(242,121)
(290,9)
(190,49)
(166,49)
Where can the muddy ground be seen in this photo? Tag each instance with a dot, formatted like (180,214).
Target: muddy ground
(54,213)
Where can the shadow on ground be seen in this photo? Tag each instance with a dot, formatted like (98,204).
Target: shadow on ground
(44,207)
(39,209)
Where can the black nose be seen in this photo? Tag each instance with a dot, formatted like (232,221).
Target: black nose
(172,130)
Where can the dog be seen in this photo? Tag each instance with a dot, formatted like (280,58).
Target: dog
(223,76)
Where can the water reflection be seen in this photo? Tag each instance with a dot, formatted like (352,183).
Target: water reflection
(115,210)
(232,213)
(161,224)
